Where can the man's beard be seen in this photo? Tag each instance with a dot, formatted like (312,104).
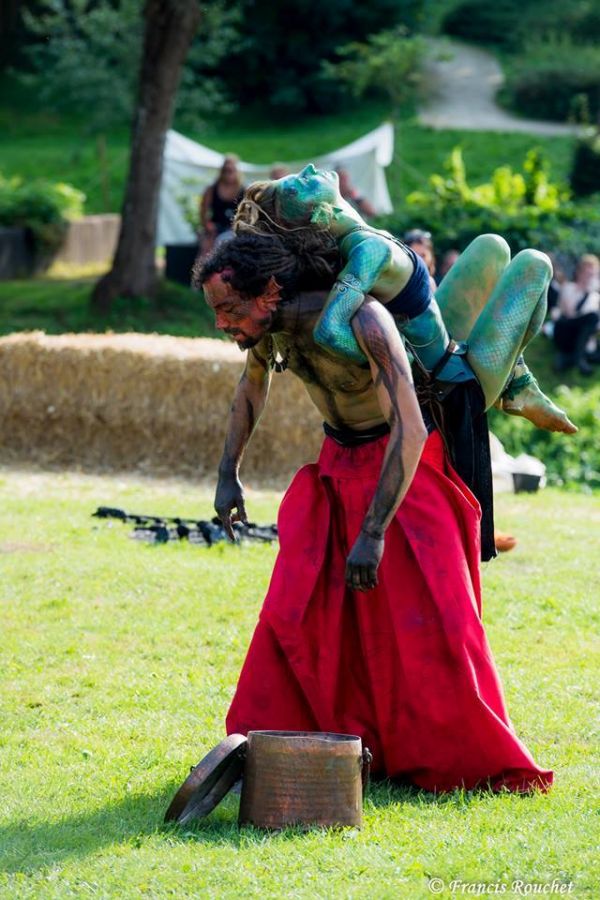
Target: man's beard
(248,343)
(264,324)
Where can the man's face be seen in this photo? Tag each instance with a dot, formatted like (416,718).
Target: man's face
(245,319)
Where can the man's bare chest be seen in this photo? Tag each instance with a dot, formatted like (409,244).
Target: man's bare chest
(318,368)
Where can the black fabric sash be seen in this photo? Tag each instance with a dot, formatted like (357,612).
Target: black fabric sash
(347,437)
(465,429)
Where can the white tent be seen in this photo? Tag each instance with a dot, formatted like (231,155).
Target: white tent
(190,167)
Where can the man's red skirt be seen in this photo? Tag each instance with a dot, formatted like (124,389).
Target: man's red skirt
(406,666)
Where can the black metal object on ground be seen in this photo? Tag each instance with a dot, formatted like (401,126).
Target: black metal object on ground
(205,533)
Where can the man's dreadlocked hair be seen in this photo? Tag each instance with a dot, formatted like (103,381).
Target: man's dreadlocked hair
(254,258)
(259,213)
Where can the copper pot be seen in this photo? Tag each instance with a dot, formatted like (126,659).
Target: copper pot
(302,778)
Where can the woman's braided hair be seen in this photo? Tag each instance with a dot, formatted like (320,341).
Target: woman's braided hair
(315,247)
(252,258)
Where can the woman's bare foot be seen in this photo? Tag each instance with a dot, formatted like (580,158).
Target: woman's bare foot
(531,403)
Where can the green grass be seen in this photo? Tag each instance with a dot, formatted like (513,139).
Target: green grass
(62,305)
(36,143)
(118,662)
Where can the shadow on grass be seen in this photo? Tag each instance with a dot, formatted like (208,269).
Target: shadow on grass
(383,793)
(132,820)
(135,820)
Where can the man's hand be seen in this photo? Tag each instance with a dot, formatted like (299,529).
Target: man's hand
(230,496)
(363,562)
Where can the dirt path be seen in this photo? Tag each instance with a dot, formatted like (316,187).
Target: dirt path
(460,93)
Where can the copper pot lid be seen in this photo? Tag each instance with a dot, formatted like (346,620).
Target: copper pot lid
(209,781)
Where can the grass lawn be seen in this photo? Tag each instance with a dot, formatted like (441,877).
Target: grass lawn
(118,662)
(62,305)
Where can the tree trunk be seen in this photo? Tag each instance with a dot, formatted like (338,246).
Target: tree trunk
(169,30)
(104,171)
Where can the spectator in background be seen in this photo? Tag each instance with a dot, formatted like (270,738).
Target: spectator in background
(421,243)
(559,278)
(218,205)
(349,193)
(448,260)
(577,317)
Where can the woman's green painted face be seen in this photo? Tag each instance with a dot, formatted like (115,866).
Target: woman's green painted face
(300,194)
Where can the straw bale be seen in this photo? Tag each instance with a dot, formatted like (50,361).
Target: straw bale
(148,402)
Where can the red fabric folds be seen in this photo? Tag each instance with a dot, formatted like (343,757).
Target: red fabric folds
(406,666)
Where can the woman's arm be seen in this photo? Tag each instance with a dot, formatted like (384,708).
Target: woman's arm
(206,209)
(366,259)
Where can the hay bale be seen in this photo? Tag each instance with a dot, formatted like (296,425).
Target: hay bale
(148,402)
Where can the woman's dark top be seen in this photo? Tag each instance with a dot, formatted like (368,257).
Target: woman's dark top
(223,211)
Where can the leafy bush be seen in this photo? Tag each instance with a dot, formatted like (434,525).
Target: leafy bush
(552,77)
(585,171)
(41,207)
(525,207)
(84,58)
(485,23)
(572,462)
(509,23)
(281,48)
(388,62)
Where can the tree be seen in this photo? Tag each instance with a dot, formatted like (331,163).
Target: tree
(170,26)
(388,62)
(82,58)
(282,45)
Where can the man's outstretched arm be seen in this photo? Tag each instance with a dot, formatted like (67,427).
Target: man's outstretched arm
(377,335)
(248,403)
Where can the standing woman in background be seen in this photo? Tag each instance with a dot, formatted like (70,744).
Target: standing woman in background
(218,205)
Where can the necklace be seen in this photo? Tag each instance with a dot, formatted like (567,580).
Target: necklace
(281,364)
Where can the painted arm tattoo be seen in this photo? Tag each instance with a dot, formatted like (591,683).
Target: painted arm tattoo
(393,381)
(247,406)
(378,336)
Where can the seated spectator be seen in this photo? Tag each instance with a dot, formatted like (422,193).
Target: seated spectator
(349,193)
(420,241)
(577,317)
(218,205)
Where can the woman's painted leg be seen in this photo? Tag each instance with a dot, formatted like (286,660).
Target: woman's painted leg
(469,284)
(512,317)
